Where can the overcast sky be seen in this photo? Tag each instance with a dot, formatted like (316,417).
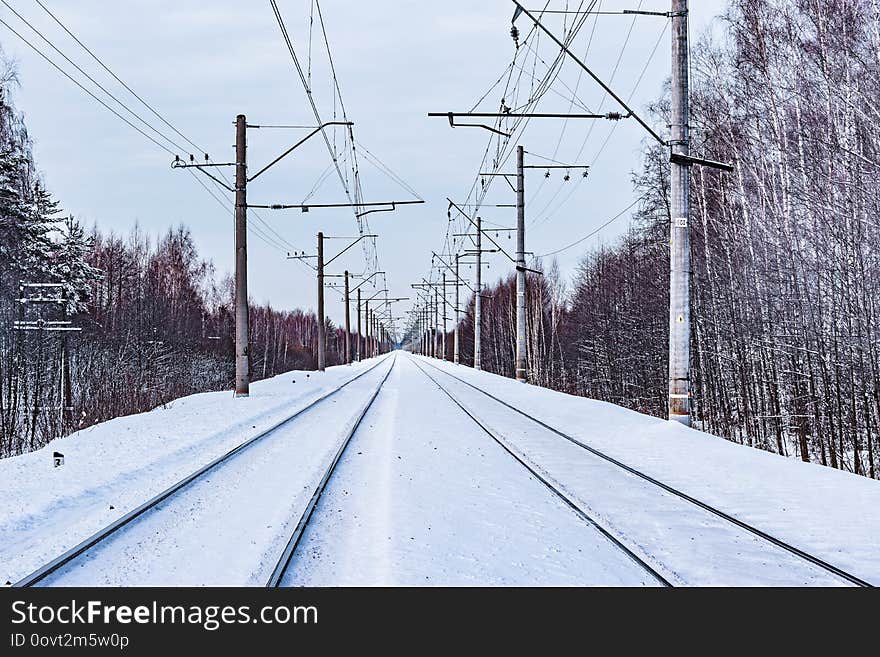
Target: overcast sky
(202,63)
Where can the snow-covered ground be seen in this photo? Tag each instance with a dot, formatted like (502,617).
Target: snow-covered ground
(423,495)
(421,498)
(113,467)
(832,514)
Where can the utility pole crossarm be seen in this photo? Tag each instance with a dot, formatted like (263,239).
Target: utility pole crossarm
(466,216)
(687,160)
(589,72)
(459,280)
(526,269)
(362,237)
(179,164)
(305,207)
(320,128)
(367,280)
(451,116)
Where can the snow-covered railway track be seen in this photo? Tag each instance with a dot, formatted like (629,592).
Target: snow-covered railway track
(154,504)
(829,570)
(546,481)
(284,562)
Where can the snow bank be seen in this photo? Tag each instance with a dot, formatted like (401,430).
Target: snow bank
(830,513)
(112,467)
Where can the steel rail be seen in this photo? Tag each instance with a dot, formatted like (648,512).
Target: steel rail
(806,556)
(286,558)
(555,490)
(79,549)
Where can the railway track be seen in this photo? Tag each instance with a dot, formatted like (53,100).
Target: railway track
(567,499)
(798,553)
(284,562)
(126,521)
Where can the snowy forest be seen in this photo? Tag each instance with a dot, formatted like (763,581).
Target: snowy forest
(785,251)
(785,270)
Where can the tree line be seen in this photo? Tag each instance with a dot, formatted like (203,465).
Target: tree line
(154,321)
(785,251)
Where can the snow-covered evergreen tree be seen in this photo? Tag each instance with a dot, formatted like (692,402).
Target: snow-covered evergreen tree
(70,265)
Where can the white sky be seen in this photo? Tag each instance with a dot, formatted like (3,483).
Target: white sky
(201,63)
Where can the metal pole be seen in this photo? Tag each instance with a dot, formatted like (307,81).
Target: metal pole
(242,365)
(322,345)
(359,327)
(367,328)
(436,323)
(478,300)
(443,336)
(347,323)
(457,320)
(520,266)
(66,387)
(679,261)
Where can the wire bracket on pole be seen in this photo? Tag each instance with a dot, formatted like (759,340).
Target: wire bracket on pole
(306,207)
(451,116)
(526,269)
(687,160)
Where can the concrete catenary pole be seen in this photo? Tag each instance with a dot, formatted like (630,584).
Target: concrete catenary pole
(457,318)
(242,365)
(426,336)
(66,386)
(367,328)
(359,327)
(679,261)
(322,338)
(443,336)
(347,322)
(436,322)
(520,266)
(478,297)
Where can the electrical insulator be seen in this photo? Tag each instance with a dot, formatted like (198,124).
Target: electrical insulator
(547,175)
(514,33)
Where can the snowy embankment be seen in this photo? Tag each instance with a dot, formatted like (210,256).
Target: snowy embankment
(832,514)
(112,467)
(424,495)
